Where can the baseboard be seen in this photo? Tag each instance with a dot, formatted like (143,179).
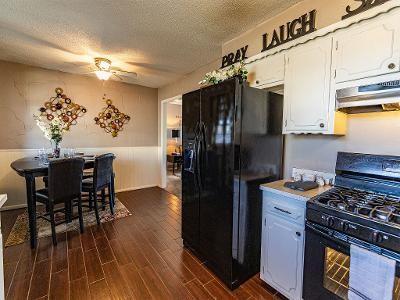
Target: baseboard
(19,206)
(13,207)
(137,188)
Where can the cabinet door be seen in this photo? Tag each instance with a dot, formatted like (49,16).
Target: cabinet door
(367,50)
(307,87)
(267,72)
(282,255)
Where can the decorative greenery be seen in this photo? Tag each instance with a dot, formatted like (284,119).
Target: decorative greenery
(53,130)
(218,76)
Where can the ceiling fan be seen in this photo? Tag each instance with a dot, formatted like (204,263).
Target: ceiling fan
(104,70)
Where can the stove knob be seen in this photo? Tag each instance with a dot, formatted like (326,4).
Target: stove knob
(330,221)
(377,237)
(345,226)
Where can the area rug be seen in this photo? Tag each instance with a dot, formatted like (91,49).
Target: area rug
(20,230)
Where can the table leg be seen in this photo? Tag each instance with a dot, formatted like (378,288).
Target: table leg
(31,197)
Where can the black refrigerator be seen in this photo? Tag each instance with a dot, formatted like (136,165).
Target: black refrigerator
(232,142)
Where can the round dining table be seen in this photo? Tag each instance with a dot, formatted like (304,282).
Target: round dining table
(30,168)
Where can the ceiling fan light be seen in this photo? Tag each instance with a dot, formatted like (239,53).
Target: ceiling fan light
(103,75)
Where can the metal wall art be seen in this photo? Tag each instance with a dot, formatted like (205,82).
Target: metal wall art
(63,108)
(233,58)
(363,6)
(111,119)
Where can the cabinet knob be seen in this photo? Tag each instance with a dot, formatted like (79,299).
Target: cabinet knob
(322,125)
(298,233)
(391,66)
(257,81)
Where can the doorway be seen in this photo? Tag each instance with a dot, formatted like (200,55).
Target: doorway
(171,145)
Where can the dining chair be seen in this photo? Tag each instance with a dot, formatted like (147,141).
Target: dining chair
(64,186)
(101,180)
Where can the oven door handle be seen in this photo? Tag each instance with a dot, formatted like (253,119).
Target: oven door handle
(347,241)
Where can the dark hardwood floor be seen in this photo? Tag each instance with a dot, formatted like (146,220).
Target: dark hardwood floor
(137,257)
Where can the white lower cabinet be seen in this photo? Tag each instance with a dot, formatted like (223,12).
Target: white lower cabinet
(282,250)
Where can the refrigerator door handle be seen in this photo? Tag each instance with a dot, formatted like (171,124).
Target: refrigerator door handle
(201,153)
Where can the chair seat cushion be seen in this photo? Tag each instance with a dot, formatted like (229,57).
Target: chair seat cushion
(87,183)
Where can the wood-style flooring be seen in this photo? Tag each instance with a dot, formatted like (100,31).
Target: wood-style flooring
(137,257)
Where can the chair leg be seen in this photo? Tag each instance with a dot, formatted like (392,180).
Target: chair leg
(96,209)
(80,213)
(111,198)
(103,199)
(53,223)
(90,200)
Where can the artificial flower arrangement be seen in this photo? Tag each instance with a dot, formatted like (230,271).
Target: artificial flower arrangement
(218,76)
(53,131)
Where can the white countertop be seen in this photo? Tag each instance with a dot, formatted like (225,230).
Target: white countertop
(278,188)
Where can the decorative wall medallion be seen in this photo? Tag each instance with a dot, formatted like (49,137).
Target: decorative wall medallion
(63,108)
(363,6)
(111,119)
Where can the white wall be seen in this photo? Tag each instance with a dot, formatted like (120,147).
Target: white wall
(135,167)
(374,133)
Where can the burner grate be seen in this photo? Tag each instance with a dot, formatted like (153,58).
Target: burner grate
(384,208)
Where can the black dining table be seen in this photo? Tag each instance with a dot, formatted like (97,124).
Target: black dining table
(30,168)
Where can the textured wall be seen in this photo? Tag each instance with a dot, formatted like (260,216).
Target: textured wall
(23,89)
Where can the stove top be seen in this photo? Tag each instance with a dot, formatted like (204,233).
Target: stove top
(375,206)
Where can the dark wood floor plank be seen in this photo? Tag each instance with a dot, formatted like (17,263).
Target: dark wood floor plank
(45,249)
(99,290)
(20,287)
(94,270)
(9,271)
(118,287)
(60,255)
(199,270)
(76,264)
(79,290)
(177,266)
(154,284)
(121,254)
(105,253)
(136,284)
(59,286)
(40,279)
(87,240)
(149,262)
(74,239)
(174,284)
(197,290)
(217,290)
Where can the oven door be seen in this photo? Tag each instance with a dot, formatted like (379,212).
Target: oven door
(327,265)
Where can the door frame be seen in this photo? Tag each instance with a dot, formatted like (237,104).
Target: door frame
(163,139)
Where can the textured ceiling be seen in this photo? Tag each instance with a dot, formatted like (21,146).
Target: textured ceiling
(161,40)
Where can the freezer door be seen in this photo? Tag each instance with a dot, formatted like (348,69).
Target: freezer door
(190,187)
(217,171)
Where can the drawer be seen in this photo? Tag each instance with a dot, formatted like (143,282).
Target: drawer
(286,207)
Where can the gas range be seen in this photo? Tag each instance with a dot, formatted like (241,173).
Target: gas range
(365,201)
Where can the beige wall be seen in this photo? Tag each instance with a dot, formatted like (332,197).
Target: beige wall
(328,12)
(24,89)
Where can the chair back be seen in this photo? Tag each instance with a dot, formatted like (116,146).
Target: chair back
(103,170)
(65,179)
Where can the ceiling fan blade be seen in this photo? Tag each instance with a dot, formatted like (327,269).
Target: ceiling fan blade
(116,75)
(131,75)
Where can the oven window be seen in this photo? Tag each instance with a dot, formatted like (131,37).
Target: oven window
(336,274)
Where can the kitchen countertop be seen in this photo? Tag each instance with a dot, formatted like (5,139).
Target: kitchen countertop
(278,188)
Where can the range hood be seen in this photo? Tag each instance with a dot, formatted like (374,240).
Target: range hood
(384,96)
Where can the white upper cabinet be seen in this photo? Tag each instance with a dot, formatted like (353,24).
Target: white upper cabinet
(267,72)
(368,49)
(309,103)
